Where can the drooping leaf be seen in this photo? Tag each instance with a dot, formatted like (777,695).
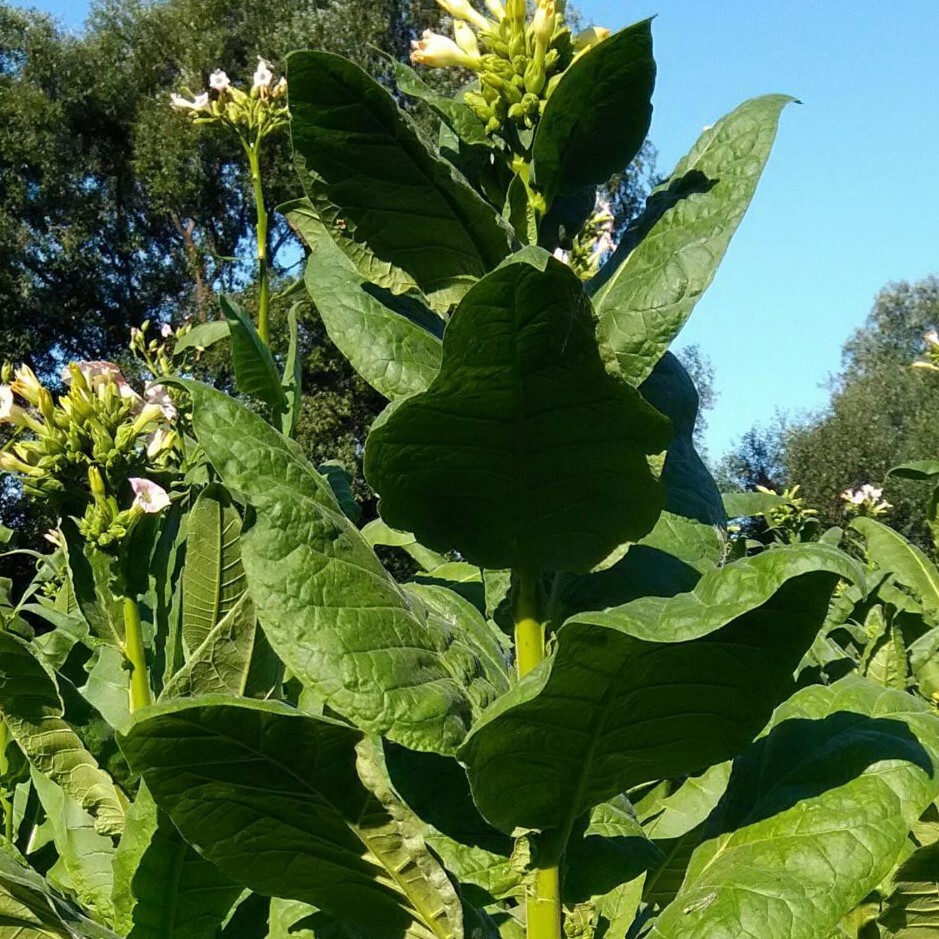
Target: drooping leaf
(376,532)
(410,207)
(273,798)
(233,659)
(816,812)
(85,856)
(163,889)
(292,380)
(647,290)
(918,469)
(30,909)
(333,615)
(92,576)
(255,372)
(598,116)
(577,730)
(911,910)
(203,335)
(388,341)
(340,481)
(32,710)
(522,434)
(890,551)
(457,115)
(213,577)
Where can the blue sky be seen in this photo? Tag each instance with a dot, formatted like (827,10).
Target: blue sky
(849,201)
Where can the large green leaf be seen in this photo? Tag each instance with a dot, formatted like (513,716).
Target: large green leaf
(32,710)
(651,690)
(234,659)
(332,613)
(393,350)
(410,207)
(816,813)
(273,798)
(30,909)
(647,290)
(890,551)
(598,115)
(522,434)
(213,577)
(163,889)
(255,372)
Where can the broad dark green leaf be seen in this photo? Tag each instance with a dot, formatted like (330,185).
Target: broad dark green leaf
(163,889)
(647,290)
(332,613)
(396,353)
(410,207)
(213,576)
(340,481)
(654,689)
(255,372)
(598,115)
(32,710)
(272,797)
(918,469)
(30,909)
(522,435)
(92,576)
(816,813)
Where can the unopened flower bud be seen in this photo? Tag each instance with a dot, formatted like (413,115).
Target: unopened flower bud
(590,37)
(463,10)
(496,9)
(465,38)
(96,484)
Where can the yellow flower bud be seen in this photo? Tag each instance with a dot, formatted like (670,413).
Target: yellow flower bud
(465,38)
(462,10)
(440,52)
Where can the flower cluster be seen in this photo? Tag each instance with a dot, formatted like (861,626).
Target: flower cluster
(866,500)
(86,451)
(518,61)
(592,243)
(930,362)
(260,110)
(791,520)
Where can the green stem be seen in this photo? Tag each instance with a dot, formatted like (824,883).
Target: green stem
(264,284)
(5,804)
(544,891)
(134,651)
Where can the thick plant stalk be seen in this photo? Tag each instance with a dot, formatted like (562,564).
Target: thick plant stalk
(134,651)
(5,804)
(264,283)
(544,892)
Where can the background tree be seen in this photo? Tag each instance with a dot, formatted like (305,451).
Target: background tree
(881,413)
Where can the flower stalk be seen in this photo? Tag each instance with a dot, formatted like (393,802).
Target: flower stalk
(135,654)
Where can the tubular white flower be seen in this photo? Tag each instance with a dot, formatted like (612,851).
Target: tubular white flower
(263,76)
(26,384)
(542,24)
(199,103)
(465,38)
(463,10)
(148,496)
(219,81)
(931,337)
(159,396)
(562,255)
(158,441)
(10,411)
(440,52)
(166,330)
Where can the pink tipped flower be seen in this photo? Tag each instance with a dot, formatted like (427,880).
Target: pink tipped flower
(440,52)
(219,81)
(148,496)
(159,395)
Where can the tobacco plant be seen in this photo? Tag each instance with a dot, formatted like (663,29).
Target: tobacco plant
(585,715)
